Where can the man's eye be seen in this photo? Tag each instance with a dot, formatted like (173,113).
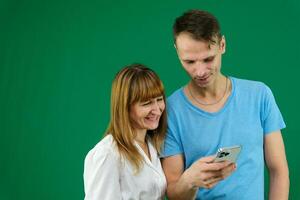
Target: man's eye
(209,59)
(189,61)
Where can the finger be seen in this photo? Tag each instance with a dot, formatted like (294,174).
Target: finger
(219,175)
(211,174)
(230,167)
(212,180)
(213,183)
(207,159)
(215,166)
(228,170)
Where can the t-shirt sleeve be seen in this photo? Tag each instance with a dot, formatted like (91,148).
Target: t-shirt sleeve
(172,144)
(101,175)
(272,119)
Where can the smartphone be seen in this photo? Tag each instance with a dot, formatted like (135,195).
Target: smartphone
(228,153)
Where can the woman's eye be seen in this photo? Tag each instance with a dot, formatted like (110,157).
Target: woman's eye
(146,103)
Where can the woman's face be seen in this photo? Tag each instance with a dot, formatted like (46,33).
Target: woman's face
(146,115)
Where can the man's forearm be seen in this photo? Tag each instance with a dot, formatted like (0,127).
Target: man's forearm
(181,190)
(279,186)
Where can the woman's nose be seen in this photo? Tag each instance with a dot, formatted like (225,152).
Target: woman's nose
(156,108)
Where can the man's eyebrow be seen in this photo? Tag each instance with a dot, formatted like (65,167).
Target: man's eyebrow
(209,57)
(187,59)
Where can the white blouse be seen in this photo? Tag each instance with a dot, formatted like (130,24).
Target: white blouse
(106,177)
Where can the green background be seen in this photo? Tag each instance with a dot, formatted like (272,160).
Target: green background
(58,58)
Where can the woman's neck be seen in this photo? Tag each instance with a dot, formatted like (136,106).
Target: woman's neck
(141,136)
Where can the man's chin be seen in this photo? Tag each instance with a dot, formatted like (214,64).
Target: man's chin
(203,84)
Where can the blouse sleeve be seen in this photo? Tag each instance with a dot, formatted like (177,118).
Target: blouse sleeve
(101,175)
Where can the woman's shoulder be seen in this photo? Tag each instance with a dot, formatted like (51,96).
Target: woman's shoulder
(104,149)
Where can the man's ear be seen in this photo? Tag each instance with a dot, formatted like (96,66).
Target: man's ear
(175,46)
(176,49)
(223,44)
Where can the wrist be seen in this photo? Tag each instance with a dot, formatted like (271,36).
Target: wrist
(188,182)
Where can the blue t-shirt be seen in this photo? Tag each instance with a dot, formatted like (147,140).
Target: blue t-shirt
(248,115)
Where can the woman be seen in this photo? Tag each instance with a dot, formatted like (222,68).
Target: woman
(125,163)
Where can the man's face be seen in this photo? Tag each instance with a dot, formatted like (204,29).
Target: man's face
(201,60)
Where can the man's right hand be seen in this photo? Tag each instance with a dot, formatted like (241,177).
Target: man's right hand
(205,173)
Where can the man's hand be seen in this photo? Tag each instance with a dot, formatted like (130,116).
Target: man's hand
(206,174)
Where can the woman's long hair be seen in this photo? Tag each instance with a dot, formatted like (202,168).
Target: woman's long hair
(134,83)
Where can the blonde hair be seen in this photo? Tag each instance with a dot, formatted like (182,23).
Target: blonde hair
(134,83)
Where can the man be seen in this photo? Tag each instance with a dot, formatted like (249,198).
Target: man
(214,111)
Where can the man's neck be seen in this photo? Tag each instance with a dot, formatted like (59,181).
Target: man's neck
(212,91)
(210,99)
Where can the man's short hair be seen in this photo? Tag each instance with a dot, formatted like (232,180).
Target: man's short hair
(202,26)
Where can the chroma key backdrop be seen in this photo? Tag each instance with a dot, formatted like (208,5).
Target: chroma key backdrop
(58,59)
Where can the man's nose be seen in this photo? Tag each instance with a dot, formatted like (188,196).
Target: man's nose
(200,69)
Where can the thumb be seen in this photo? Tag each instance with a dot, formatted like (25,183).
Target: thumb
(207,159)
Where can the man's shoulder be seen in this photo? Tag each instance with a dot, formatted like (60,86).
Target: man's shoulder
(175,96)
(246,84)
